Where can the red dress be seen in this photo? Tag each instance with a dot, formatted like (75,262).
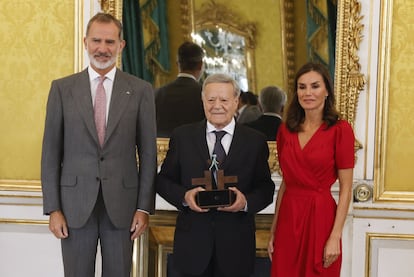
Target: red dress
(307,211)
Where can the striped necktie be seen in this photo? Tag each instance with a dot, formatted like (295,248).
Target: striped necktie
(218,147)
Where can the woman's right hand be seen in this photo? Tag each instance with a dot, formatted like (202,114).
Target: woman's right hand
(270,247)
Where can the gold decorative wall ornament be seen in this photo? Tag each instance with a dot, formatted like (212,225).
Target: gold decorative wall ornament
(187,17)
(349,81)
(362,192)
(162,148)
(113,7)
(288,44)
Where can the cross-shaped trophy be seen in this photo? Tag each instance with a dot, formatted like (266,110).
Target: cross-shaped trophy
(214,198)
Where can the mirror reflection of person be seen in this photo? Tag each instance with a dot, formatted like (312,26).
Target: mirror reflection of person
(217,242)
(315,149)
(248,108)
(272,100)
(92,187)
(179,102)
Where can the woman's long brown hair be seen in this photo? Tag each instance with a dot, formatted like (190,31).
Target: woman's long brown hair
(295,115)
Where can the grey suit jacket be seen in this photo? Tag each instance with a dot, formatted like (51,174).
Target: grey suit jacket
(74,165)
(249,114)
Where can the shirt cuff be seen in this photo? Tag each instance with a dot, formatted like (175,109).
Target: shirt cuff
(144,211)
(245,208)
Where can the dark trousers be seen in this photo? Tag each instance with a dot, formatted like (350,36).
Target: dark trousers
(211,271)
(79,249)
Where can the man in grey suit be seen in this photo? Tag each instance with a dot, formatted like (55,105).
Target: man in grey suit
(272,99)
(248,110)
(92,187)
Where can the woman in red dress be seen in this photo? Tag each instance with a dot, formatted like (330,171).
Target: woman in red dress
(315,148)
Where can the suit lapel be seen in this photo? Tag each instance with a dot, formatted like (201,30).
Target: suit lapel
(201,142)
(82,95)
(235,147)
(121,94)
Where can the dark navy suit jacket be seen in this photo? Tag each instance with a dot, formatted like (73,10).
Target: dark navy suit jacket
(268,125)
(178,103)
(228,236)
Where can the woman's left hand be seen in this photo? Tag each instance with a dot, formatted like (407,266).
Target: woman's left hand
(331,252)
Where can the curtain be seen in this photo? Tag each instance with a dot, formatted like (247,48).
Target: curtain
(321,32)
(145,32)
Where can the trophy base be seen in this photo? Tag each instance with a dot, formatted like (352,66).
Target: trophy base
(215,198)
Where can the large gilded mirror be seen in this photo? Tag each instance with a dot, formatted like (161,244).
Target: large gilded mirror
(271,60)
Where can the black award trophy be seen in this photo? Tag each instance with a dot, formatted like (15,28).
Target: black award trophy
(211,197)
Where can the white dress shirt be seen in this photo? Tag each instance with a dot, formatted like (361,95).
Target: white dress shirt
(225,141)
(108,85)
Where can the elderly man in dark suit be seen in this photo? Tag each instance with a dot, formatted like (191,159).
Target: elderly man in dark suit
(216,242)
(272,100)
(179,102)
(96,122)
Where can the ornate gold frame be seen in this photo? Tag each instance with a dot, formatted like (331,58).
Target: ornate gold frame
(348,79)
(113,7)
(381,193)
(371,253)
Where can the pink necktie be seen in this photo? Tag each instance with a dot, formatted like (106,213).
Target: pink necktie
(100,110)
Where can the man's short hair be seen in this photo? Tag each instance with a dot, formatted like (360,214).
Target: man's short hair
(272,99)
(189,56)
(105,18)
(248,98)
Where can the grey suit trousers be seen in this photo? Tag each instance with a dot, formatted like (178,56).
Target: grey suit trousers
(116,246)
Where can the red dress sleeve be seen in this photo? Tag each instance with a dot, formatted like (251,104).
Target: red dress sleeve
(344,146)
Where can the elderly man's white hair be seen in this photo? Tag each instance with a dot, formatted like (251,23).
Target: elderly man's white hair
(224,79)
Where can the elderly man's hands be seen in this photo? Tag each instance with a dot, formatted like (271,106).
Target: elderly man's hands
(238,205)
(190,199)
